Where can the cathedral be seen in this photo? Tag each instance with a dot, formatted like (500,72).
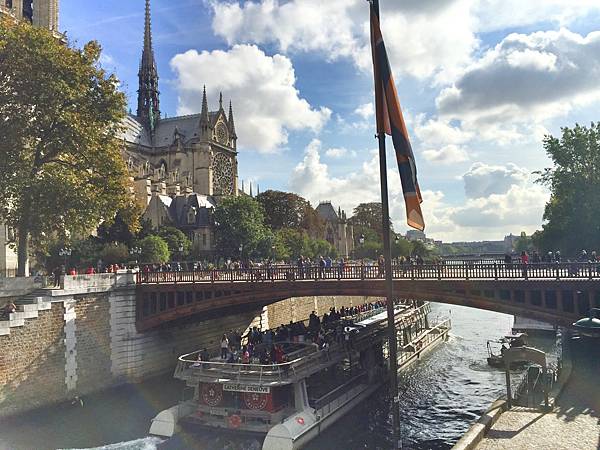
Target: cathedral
(181,165)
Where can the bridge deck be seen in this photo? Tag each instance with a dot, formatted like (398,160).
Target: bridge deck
(556,293)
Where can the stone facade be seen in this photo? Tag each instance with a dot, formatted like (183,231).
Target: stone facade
(32,363)
(297,309)
(92,337)
(338,231)
(41,13)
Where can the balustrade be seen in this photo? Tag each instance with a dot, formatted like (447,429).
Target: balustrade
(465,271)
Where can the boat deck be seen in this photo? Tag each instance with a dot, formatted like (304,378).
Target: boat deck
(306,360)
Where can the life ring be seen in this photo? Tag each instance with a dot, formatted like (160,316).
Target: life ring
(234,421)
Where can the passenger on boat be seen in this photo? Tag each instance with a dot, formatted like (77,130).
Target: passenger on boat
(245,355)
(204,355)
(224,346)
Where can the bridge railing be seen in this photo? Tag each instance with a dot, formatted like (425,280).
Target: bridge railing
(465,271)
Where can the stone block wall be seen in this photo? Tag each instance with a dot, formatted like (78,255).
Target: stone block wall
(92,336)
(299,308)
(32,363)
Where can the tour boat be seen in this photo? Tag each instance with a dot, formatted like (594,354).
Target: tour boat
(293,402)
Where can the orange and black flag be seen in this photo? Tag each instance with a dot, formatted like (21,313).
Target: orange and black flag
(391,122)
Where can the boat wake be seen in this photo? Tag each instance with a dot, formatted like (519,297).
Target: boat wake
(147,443)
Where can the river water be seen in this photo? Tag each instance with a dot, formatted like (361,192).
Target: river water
(442,395)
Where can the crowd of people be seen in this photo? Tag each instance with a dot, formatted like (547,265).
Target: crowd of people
(272,346)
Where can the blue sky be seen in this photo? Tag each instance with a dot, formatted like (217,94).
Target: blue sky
(480,83)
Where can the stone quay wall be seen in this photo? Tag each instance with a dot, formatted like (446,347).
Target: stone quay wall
(82,338)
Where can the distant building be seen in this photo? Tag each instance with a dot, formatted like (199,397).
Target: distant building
(510,242)
(415,235)
(338,231)
(190,213)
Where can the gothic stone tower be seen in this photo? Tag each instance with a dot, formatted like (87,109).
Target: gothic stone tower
(196,152)
(41,13)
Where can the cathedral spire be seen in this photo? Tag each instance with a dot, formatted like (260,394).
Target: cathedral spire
(220,100)
(230,120)
(204,120)
(148,96)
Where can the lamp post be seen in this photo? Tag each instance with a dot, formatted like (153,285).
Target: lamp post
(241,249)
(135,252)
(65,252)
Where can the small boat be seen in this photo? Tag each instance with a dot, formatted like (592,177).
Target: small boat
(495,354)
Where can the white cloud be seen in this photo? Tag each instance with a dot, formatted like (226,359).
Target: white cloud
(525,79)
(483,180)
(448,154)
(490,212)
(416,34)
(338,153)
(267,104)
(365,111)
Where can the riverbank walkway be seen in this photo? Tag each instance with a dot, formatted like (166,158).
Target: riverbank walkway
(573,424)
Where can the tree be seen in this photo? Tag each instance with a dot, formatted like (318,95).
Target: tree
(239,224)
(369,215)
(154,250)
(289,210)
(176,240)
(115,253)
(572,219)
(61,166)
(124,228)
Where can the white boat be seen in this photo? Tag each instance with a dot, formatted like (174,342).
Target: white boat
(293,402)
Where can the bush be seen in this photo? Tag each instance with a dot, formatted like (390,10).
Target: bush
(154,250)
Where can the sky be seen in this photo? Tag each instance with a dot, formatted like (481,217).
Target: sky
(481,82)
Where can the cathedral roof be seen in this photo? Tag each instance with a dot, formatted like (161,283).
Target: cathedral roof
(181,204)
(188,126)
(327,212)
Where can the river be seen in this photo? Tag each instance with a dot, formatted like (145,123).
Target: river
(442,394)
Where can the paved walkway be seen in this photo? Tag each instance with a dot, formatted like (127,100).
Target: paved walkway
(573,425)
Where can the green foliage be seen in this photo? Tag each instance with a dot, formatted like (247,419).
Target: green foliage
(60,161)
(290,244)
(154,250)
(572,219)
(524,243)
(401,247)
(369,250)
(124,227)
(239,222)
(368,216)
(115,253)
(288,210)
(176,240)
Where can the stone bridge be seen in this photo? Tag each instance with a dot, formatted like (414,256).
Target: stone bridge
(556,293)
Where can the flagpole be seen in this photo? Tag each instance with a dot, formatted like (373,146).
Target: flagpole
(389,284)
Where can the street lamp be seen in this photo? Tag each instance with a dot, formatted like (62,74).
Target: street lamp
(361,239)
(65,252)
(135,252)
(241,249)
